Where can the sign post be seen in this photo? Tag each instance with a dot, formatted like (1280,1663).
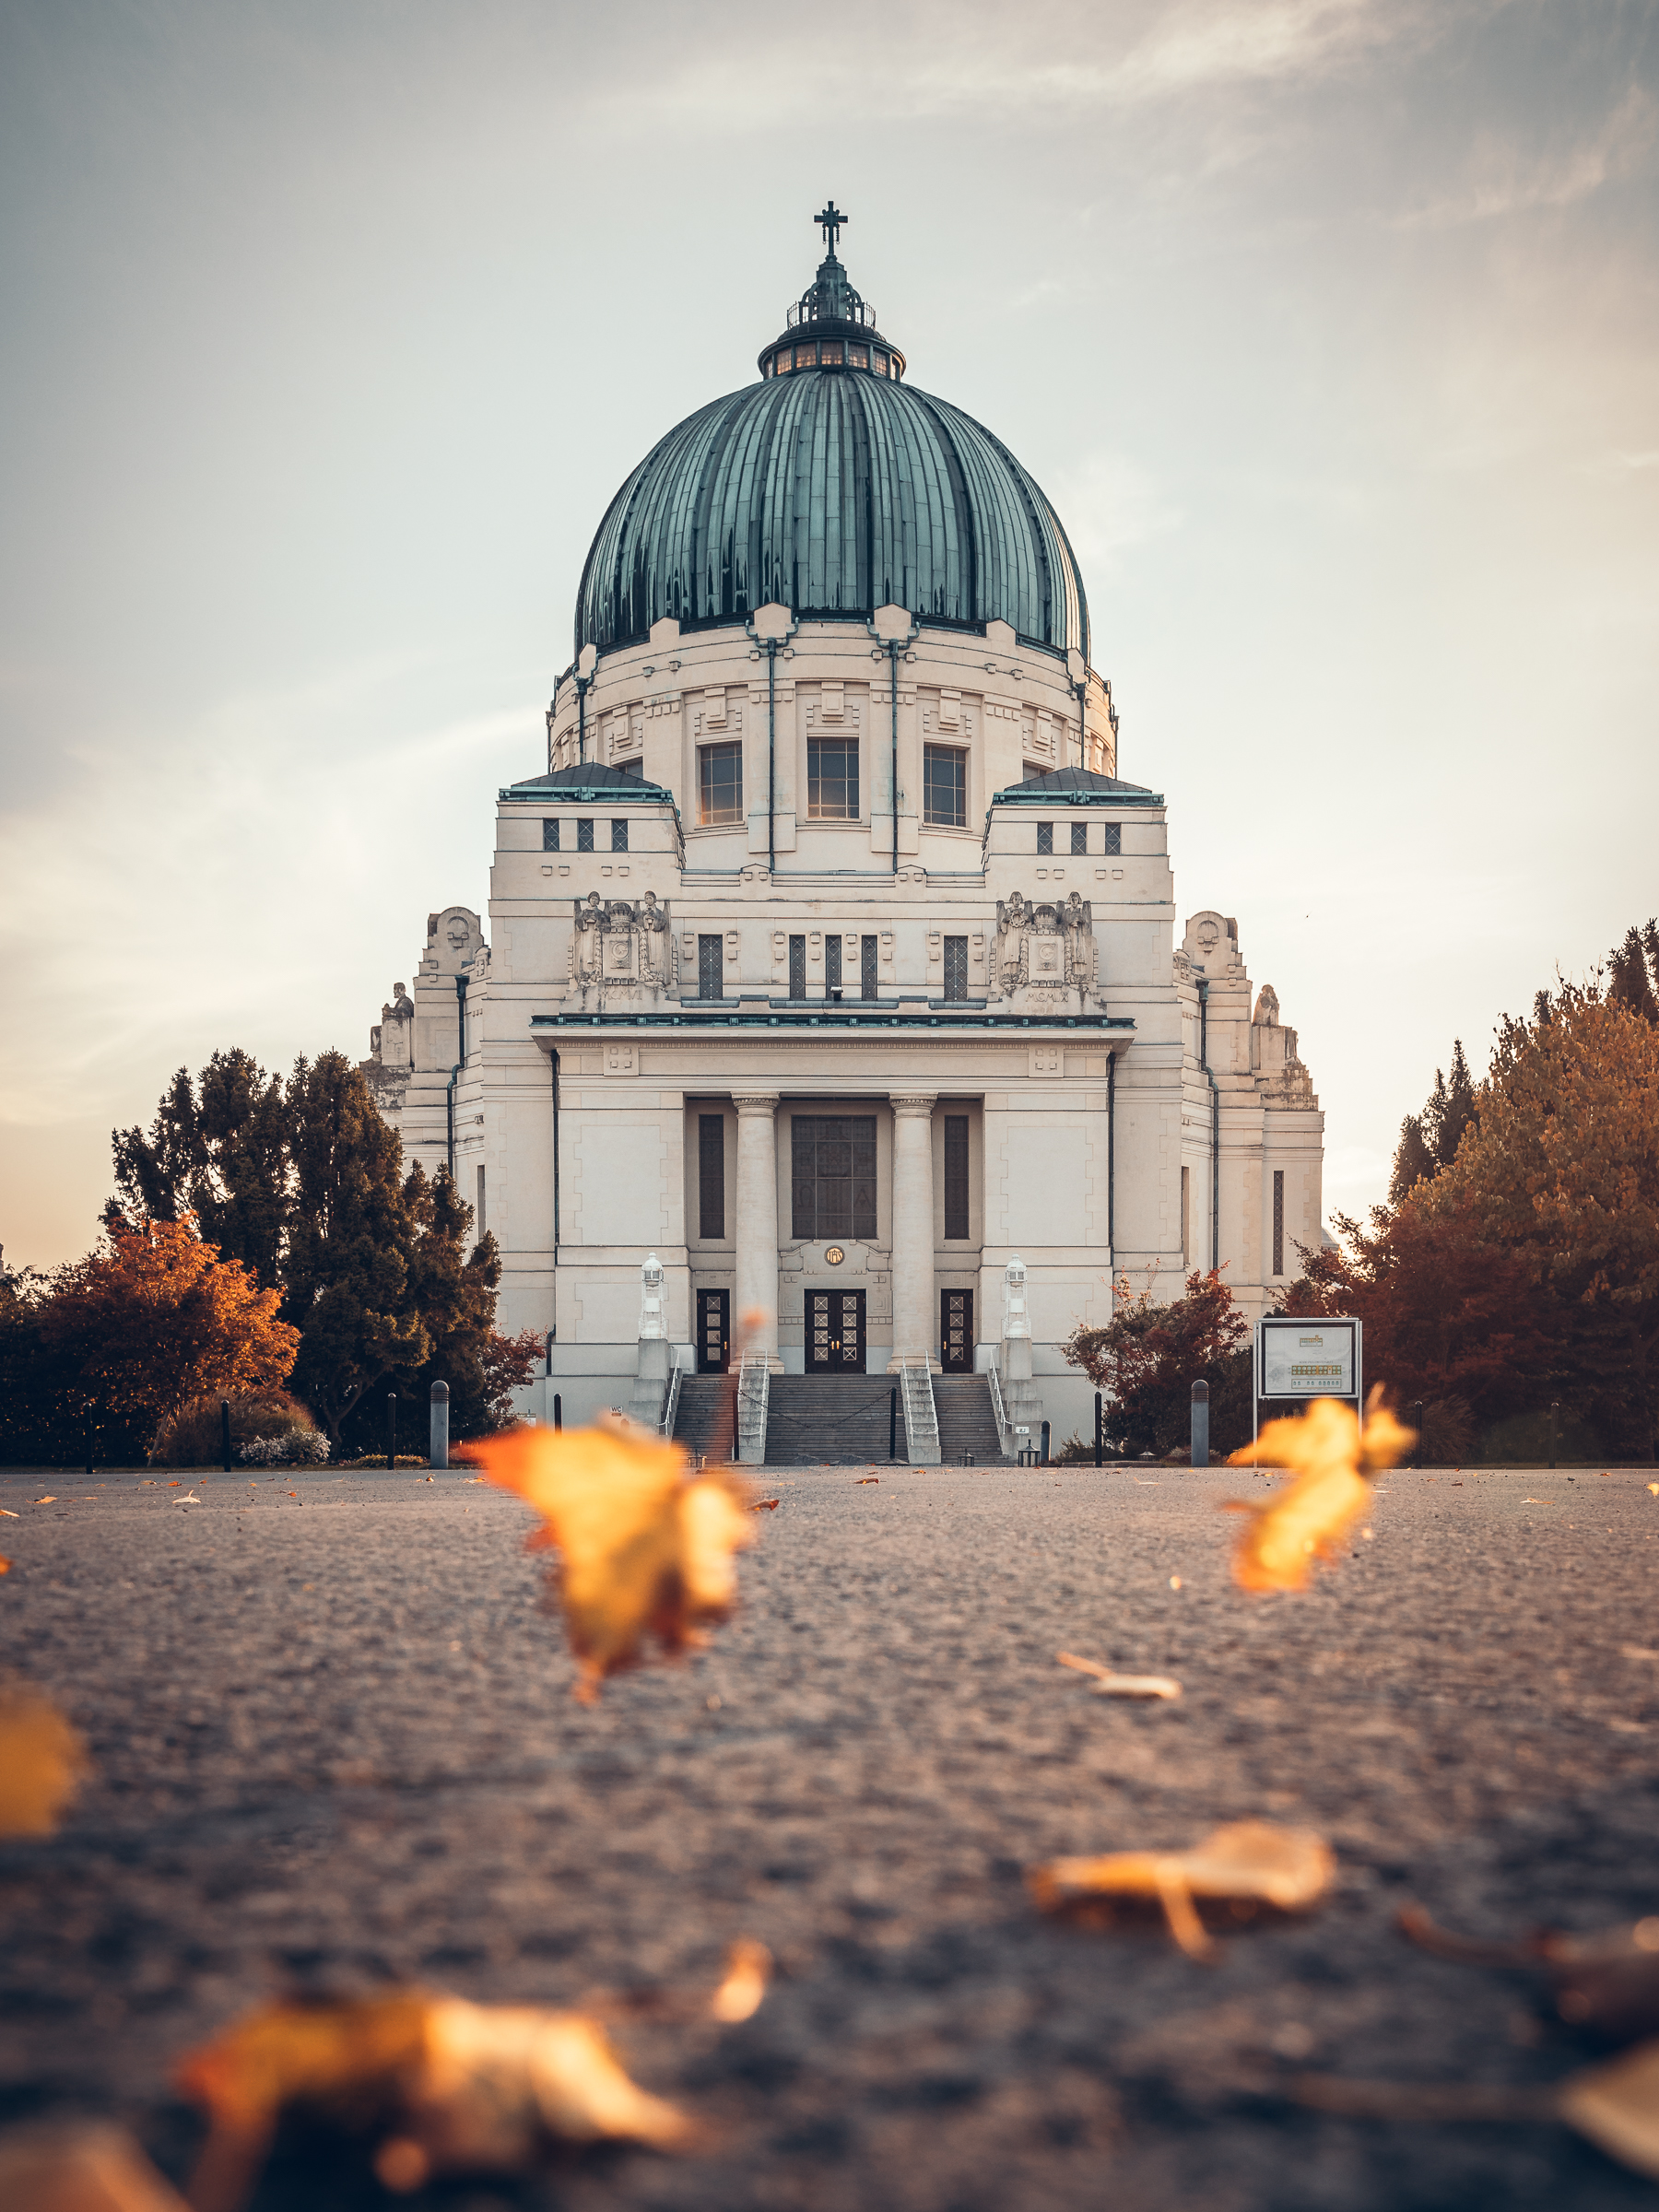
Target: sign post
(1296,1359)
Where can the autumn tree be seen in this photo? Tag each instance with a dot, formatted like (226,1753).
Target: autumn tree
(1634,972)
(123,1339)
(217,1147)
(1148,1357)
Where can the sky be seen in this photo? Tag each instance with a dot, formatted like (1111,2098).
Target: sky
(1330,327)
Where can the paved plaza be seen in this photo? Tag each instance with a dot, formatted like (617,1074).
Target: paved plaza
(333,1743)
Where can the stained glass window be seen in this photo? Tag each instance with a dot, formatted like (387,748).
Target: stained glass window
(832,1166)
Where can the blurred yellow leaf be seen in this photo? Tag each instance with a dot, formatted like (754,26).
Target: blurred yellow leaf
(1244,1864)
(646,1549)
(438,2084)
(85,2165)
(748,1969)
(1330,1458)
(42,1762)
(1110,1684)
(1617,2107)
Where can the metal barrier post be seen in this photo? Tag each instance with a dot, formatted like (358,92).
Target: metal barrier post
(892,1424)
(225,1430)
(1201,1424)
(1097,1427)
(439,1452)
(1045,1444)
(391,1430)
(1554,1429)
(557,1409)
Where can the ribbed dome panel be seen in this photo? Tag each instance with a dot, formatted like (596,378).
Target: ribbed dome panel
(833,492)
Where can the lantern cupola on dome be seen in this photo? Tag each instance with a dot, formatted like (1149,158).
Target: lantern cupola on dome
(831,326)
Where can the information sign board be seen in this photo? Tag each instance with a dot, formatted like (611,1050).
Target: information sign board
(1303,1358)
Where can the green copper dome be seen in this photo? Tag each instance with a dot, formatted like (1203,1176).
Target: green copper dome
(833,487)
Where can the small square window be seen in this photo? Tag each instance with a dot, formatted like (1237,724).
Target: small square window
(832,779)
(619,836)
(1079,837)
(584,837)
(719,785)
(1045,837)
(944,786)
(550,835)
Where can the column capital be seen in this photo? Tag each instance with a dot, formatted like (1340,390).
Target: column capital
(756,1101)
(912,1102)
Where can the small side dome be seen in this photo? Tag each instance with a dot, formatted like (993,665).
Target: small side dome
(833,487)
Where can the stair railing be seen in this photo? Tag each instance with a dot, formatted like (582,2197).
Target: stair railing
(754,1388)
(1005,1434)
(671,1400)
(921,1415)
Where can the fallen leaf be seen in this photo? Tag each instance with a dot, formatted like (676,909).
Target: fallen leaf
(1606,1982)
(438,2084)
(1654,1487)
(1331,1458)
(1617,2107)
(863,1479)
(647,1550)
(1111,1685)
(42,1763)
(1246,1864)
(50,1499)
(748,1969)
(766,1505)
(5,1566)
(82,2167)
(7,1513)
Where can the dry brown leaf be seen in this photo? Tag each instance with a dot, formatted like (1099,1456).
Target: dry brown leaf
(1617,2107)
(42,1763)
(645,1548)
(7,1513)
(863,1479)
(766,1505)
(1110,1685)
(50,1499)
(1243,1866)
(1607,1982)
(748,1972)
(5,1566)
(85,2167)
(439,2085)
(1330,1458)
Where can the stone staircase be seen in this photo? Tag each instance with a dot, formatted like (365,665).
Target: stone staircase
(841,1420)
(966,1424)
(706,1416)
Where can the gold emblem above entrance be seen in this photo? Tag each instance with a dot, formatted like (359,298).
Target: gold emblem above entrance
(833,1255)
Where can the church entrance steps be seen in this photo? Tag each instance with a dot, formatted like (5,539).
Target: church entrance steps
(705,1420)
(835,1420)
(967,1421)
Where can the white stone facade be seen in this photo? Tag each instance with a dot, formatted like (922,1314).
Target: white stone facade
(1054,1066)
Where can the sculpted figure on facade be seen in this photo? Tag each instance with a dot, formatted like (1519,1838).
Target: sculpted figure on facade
(619,953)
(1043,956)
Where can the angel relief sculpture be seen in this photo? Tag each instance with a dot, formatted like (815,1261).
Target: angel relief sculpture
(1043,959)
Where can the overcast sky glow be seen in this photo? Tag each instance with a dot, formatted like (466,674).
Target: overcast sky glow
(1330,327)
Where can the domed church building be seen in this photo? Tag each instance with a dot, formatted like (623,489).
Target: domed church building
(836,1023)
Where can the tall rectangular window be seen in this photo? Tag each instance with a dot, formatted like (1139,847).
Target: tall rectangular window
(1186,1217)
(619,836)
(869,982)
(798,967)
(956,1177)
(832,957)
(833,1175)
(944,786)
(550,835)
(832,779)
(1278,1221)
(584,837)
(1114,837)
(719,783)
(711,967)
(956,968)
(1079,837)
(710,1176)
(481,1223)
(1045,837)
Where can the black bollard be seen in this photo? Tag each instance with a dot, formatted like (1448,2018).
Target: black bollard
(1098,1428)
(1045,1444)
(892,1424)
(1201,1424)
(557,1409)
(1416,1422)
(1554,1429)
(225,1430)
(391,1430)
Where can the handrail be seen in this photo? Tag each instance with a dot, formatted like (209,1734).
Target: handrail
(1005,1434)
(921,1415)
(671,1399)
(754,1390)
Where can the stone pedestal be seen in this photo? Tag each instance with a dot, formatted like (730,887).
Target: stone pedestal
(1021,1401)
(756,1272)
(915,1323)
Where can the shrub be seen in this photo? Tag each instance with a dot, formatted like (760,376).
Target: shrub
(293,1448)
(193,1437)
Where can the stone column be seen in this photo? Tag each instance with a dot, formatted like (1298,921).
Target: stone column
(915,1325)
(756,1225)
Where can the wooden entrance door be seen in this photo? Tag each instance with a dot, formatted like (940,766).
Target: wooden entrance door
(956,1331)
(835,1332)
(713,1331)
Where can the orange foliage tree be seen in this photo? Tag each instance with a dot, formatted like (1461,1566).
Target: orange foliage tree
(153,1319)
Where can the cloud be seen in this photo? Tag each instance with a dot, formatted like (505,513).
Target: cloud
(1508,177)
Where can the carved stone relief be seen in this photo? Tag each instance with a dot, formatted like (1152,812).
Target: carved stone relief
(1043,958)
(622,953)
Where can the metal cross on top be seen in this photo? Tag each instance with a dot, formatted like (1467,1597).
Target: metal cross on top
(830,222)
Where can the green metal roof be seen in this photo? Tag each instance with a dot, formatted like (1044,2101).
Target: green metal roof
(1076,787)
(589,783)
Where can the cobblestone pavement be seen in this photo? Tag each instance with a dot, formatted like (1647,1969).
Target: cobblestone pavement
(334,1742)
